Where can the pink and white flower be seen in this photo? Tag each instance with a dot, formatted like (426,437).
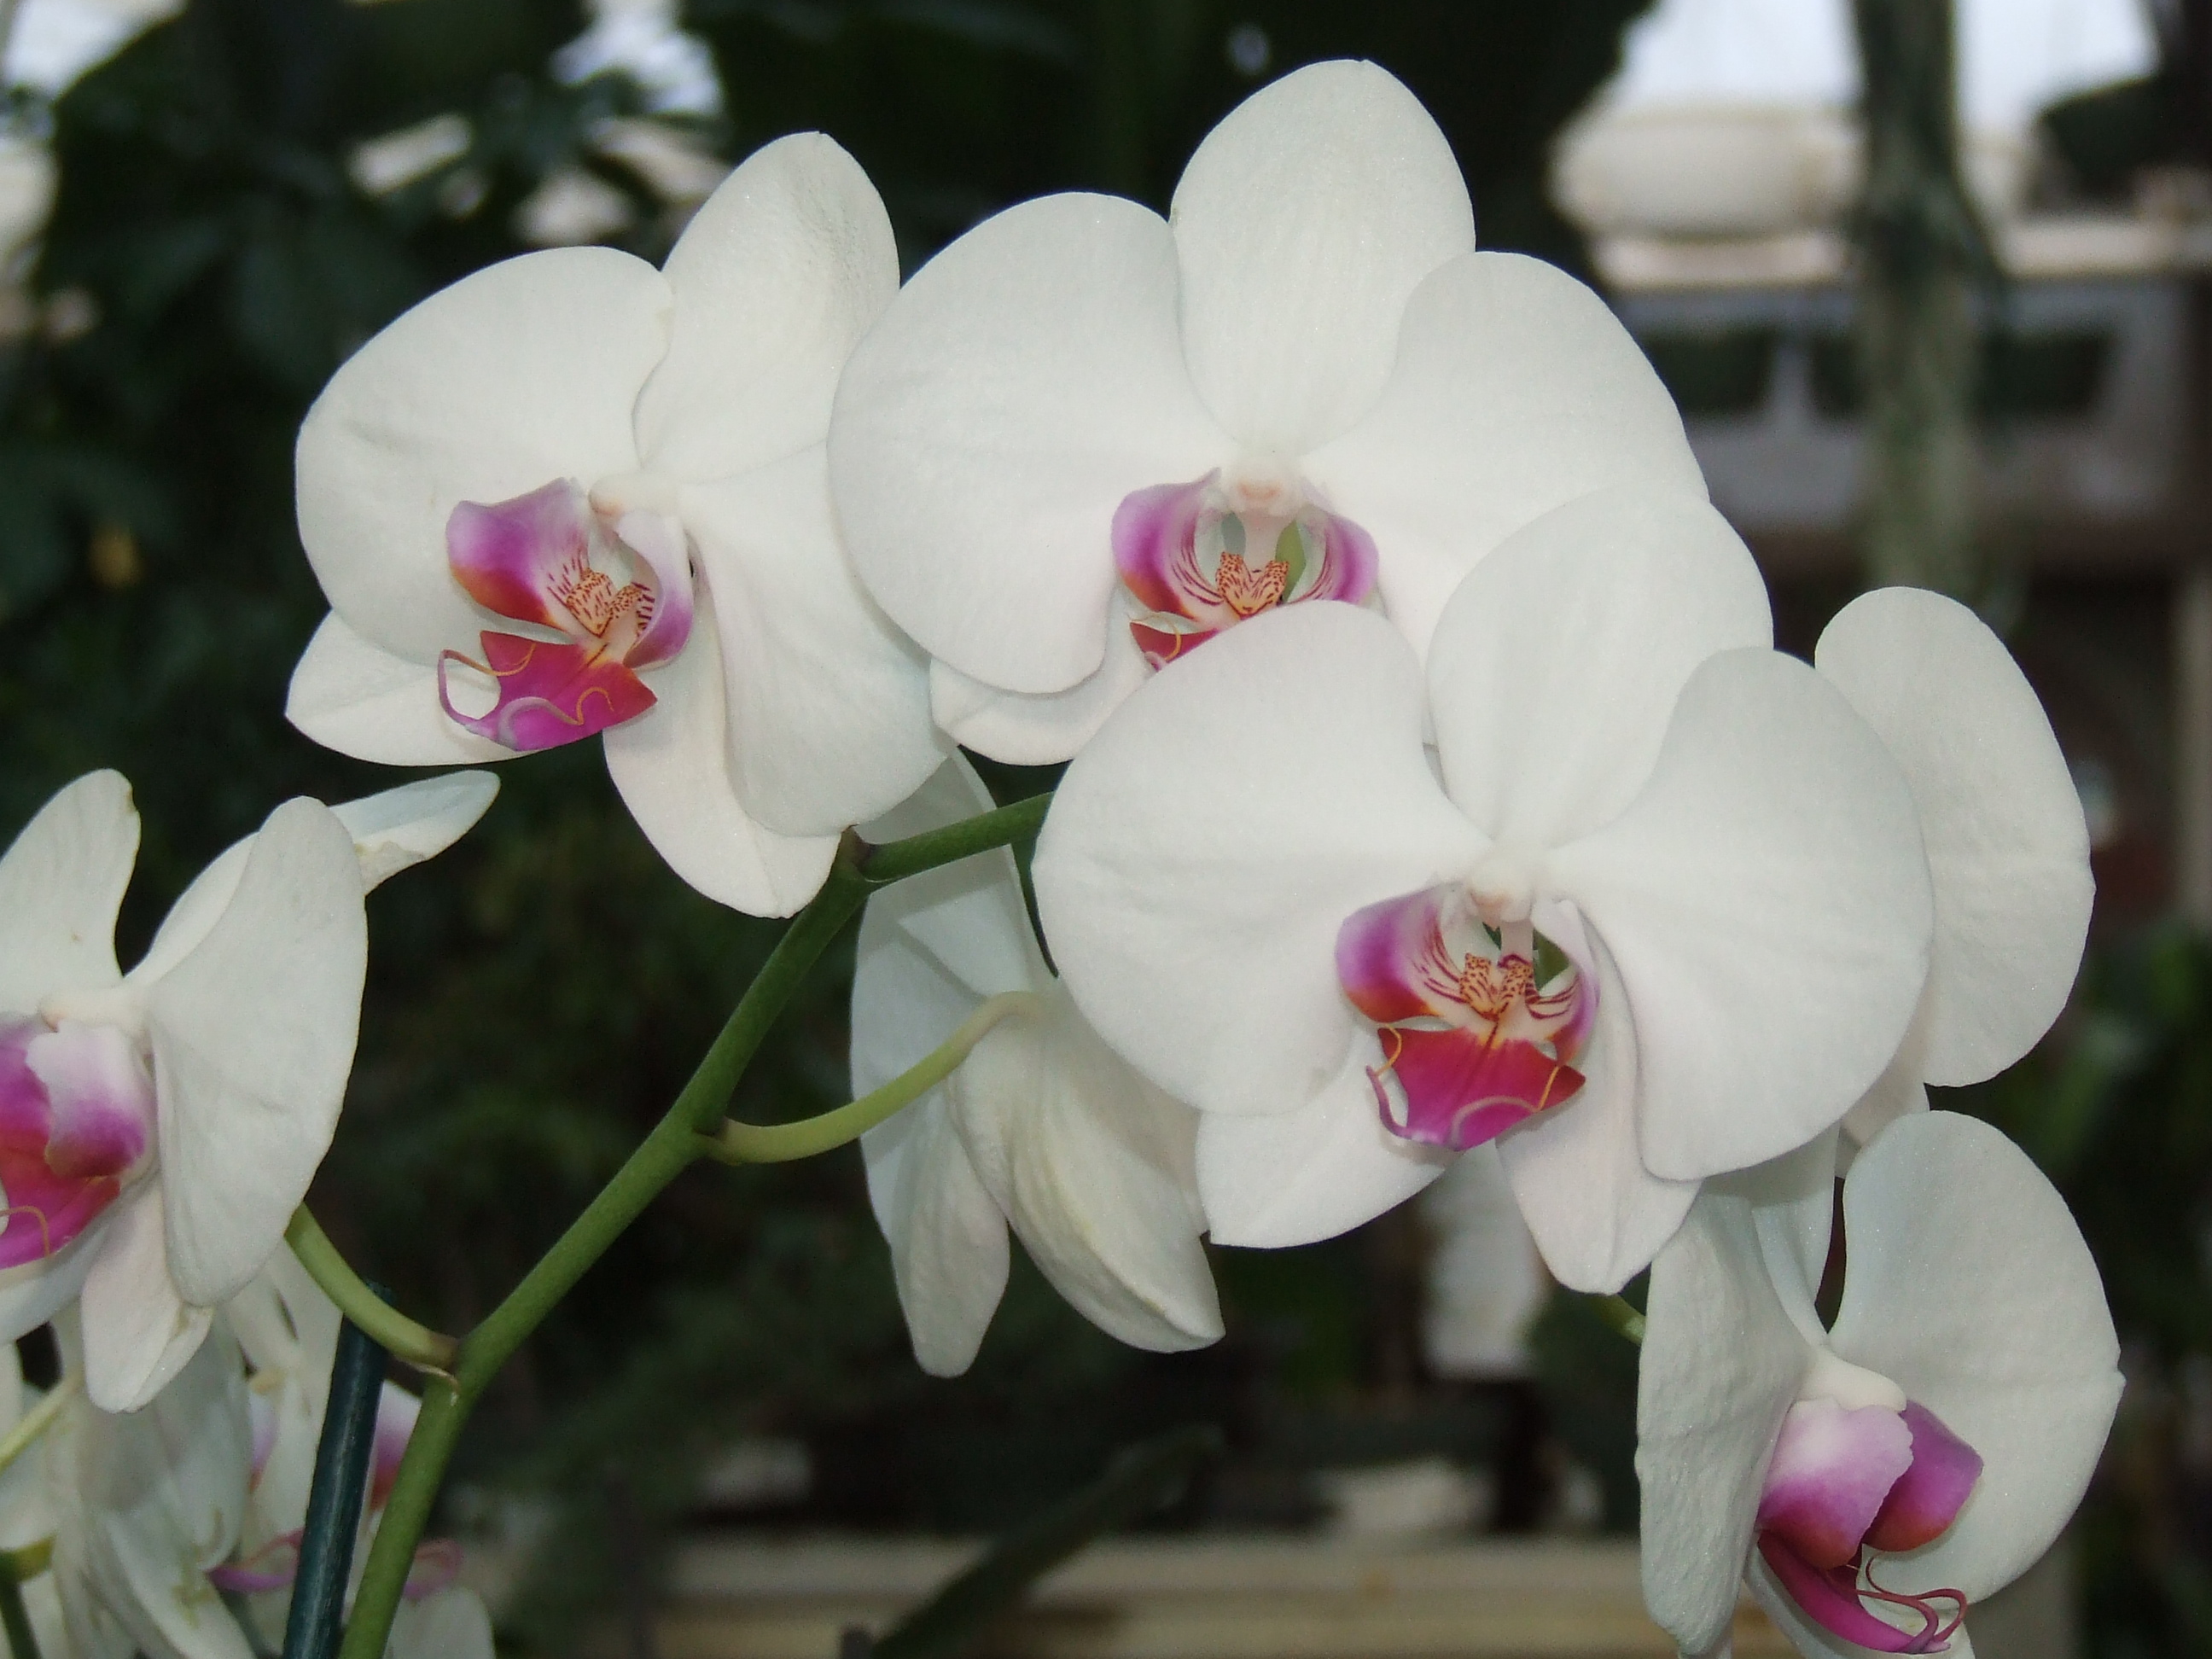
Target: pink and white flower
(574,496)
(1042,1128)
(2008,850)
(1876,1479)
(157,1130)
(1083,439)
(1654,907)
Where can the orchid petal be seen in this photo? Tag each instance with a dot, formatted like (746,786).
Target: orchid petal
(1828,1476)
(963,923)
(138,1332)
(2007,846)
(1598,1215)
(522,373)
(1766,902)
(780,271)
(61,883)
(1970,1285)
(356,697)
(828,704)
(1093,1167)
(1793,1205)
(1025,380)
(101,1097)
(1555,668)
(1720,1364)
(1206,846)
(1323,1168)
(1301,223)
(1037,728)
(671,767)
(252,1034)
(451,1625)
(510,556)
(34,1293)
(396,828)
(163,1492)
(392,831)
(950,1256)
(1515,390)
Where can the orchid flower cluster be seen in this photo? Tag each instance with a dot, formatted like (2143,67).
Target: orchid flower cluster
(1433,789)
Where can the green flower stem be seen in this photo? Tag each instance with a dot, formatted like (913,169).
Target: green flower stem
(418,1345)
(680,1138)
(781,1143)
(1619,1312)
(36,1421)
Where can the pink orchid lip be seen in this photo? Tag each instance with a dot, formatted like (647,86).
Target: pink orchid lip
(548,561)
(76,1117)
(1844,1486)
(1479,1028)
(1184,555)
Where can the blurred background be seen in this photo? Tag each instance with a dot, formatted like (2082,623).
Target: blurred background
(203,209)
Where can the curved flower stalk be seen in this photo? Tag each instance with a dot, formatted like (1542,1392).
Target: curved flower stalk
(1042,1127)
(158,1129)
(1655,908)
(573,494)
(2008,850)
(1084,440)
(289,1329)
(1875,1481)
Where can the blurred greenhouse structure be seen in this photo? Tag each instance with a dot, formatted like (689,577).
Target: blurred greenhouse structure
(721,1444)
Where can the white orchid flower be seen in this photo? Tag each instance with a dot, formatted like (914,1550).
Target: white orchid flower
(572,493)
(1085,439)
(1042,1126)
(157,1130)
(289,1328)
(1875,1480)
(2008,848)
(1655,907)
(146,1502)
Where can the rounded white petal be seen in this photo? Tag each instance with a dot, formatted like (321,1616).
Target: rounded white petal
(32,1294)
(828,704)
(138,1332)
(1037,728)
(1319,1169)
(2007,846)
(1302,224)
(61,883)
(252,1034)
(1766,902)
(948,1238)
(1555,668)
(1028,379)
(1093,1168)
(451,1625)
(396,829)
(963,925)
(359,699)
(778,274)
(519,374)
(1722,1362)
(1598,1215)
(1515,390)
(1206,846)
(1970,1285)
(671,765)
